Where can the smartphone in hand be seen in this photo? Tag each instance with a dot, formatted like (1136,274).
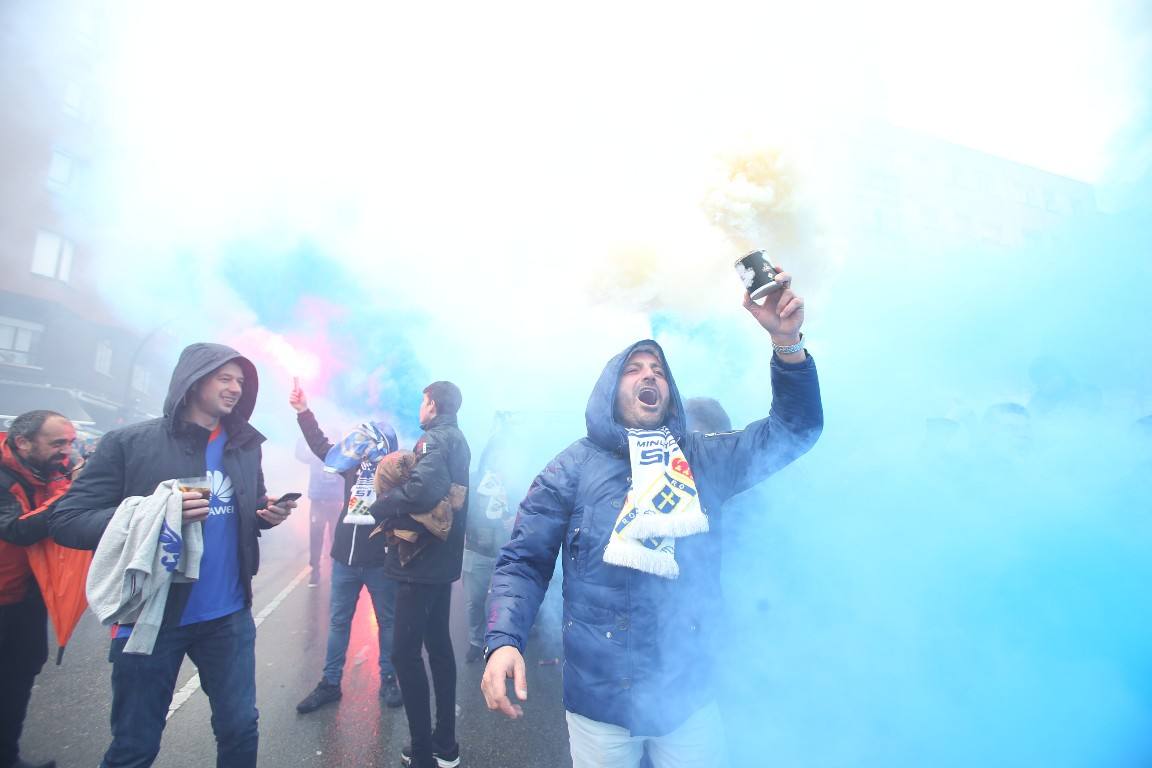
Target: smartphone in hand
(288,497)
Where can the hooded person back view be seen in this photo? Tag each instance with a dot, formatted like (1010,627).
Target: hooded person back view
(630,508)
(204,432)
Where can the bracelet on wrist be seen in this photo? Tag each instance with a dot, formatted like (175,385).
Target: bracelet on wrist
(789,349)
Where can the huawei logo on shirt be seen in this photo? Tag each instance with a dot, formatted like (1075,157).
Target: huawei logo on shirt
(221,503)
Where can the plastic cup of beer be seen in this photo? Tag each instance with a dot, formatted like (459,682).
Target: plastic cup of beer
(201,485)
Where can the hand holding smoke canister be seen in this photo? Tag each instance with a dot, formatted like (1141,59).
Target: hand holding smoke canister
(757,273)
(782,311)
(296,397)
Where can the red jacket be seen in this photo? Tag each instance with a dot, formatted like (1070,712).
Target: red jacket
(21,492)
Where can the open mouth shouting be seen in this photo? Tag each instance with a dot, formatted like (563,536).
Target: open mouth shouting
(642,392)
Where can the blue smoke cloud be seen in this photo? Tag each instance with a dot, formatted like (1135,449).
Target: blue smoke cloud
(943,581)
(364,344)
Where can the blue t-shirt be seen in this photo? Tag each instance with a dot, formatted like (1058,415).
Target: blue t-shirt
(218,591)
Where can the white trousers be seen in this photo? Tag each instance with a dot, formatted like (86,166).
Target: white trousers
(698,743)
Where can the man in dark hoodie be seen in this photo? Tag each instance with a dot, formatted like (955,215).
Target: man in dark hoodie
(424,596)
(357,564)
(629,505)
(204,431)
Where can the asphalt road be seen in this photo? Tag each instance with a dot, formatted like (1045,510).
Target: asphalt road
(68,714)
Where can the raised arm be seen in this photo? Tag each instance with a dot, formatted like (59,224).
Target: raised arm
(318,443)
(738,460)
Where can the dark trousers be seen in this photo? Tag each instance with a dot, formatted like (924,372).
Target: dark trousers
(23,651)
(224,652)
(322,514)
(422,620)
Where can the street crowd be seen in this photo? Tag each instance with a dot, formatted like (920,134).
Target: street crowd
(158,535)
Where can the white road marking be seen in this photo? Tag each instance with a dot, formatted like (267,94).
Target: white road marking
(181,696)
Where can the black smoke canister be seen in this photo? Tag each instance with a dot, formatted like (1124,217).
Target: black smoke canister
(757,273)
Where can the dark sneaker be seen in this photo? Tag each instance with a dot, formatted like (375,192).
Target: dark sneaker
(444,758)
(314,578)
(390,692)
(323,693)
(475,653)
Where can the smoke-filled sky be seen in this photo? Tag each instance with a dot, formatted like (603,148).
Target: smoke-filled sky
(373,197)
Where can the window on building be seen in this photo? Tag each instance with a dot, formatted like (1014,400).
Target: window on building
(104,358)
(18,340)
(53,256)
(60,170)
(141,379)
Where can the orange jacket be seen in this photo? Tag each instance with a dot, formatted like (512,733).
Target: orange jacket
(21,493)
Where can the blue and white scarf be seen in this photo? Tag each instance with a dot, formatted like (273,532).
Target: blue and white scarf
(361,448)
(662,505)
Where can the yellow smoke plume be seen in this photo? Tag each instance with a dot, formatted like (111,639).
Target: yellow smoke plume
(753,203)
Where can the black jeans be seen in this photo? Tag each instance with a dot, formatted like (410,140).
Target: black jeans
(23,651)
(422,620)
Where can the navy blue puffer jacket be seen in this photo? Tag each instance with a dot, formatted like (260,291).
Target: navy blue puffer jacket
(639,648)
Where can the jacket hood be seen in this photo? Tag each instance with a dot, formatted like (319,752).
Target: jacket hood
(600,416)
(197,361)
